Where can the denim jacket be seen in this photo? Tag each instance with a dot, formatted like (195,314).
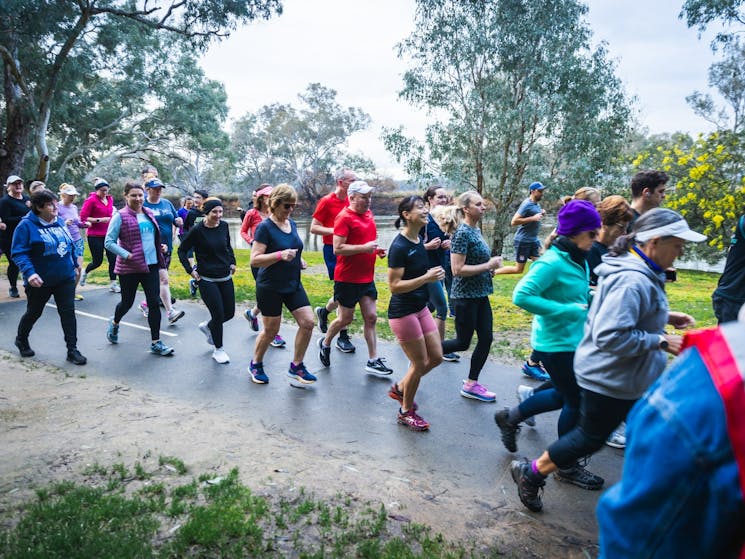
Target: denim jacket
(680,494)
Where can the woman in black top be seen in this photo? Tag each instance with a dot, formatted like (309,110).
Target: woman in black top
(409,274)
(13,206)
(277,251)
(210,241)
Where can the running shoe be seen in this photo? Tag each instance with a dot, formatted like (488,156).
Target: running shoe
(112,332)
(159,348)
(509,431)
(451,357)
(143,309)
(206,331)
(83,278)
(193,287)
(75,357)
(175,315)
(220,356)
(617,439)
(13,292)
(24,347)
(529,485)
(477,392)
(256,370)
(536,372)
(252,319)
(581,477)
(114,287)
(397,394)
(378,366)
(412,420)
(324,353)
(323,319)
(278,342)
(523,393)
(79,297)
(301,374)
(344,344)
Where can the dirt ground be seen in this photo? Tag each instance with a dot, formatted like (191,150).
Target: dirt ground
(52,426)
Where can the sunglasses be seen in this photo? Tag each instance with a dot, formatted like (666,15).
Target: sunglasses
(289,206)
(592,234)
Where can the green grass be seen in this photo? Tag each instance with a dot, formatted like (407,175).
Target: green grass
(218,517)
(691,294)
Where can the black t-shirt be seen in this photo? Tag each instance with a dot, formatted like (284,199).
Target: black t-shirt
(12,210)
(732,283)
(212,250)
(194,216)
(594,258)
(281,276)
(412,257)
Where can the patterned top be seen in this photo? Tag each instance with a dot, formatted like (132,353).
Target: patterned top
(468,240)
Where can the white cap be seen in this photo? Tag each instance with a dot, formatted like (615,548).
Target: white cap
(677,229)
(68,189)
(12,179)
(359,187)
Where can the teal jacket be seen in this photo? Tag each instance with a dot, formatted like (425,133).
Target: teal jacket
(557,291)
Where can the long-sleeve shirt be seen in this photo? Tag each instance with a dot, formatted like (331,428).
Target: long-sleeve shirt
(71,212)
(93,208)
(12,211)
(212,250)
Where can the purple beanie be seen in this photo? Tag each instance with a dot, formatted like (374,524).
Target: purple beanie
(576,217)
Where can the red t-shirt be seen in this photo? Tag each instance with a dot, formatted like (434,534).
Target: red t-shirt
(358,229)
(326,211)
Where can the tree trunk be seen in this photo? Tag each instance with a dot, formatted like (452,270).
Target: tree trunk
(18,128)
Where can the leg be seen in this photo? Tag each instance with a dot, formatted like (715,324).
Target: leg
(370,317)
(437,298)
(111,257)
(96,247)
(210,293)
(304,318)
(36,298)
(465,325)
(64,298)
(129,283)
(271,328)
(164,290)
(560,367)
(484,337)
(425,353)
(344,317)
(150,285)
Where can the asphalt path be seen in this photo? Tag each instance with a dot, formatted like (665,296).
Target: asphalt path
(346,409)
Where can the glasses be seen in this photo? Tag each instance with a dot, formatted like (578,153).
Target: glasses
(289,206)
(592,234)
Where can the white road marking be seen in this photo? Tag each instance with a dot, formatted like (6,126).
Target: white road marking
(106,319)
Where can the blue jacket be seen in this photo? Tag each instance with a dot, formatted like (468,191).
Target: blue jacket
(680,493)
(47,250)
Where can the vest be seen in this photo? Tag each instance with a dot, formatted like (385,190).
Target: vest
(131,241)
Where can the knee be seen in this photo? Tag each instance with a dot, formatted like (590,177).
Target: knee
(344,320)
(164,279)
(434,361)
(371,320)
(271,330)
(306,324)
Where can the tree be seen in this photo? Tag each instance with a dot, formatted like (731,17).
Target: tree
(51,48)
(702,13)
(299,145)
(524,97)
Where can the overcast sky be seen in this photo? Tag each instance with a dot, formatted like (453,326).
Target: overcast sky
(349,45)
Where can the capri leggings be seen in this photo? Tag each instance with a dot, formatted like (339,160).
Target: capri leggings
(413,326)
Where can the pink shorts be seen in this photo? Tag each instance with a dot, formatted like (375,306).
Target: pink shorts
(413,326)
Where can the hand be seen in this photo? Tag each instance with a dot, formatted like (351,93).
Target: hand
(435,274)
(196,275)
(35,280)
(674,343)
(433,244)
(495,262)
(370,247)
(303,264)
(445,245)
(68,222)
(163,248)
(2,226)
(381,252)
(288,254)
(680,320)
(539,216)
(232,269)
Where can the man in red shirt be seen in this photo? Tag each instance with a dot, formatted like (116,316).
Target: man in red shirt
(355,243)
(323,224)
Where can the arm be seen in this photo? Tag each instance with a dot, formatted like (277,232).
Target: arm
(529,294)
(318,229)
(20,252)
(112,235)
(398,285)
(261,259)
(187,243)
(460,268)
(341,248)
(230,249)
(517,219)
(245,225)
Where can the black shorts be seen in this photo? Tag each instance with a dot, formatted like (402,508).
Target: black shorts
(349,294)
(270,302)
(525,250)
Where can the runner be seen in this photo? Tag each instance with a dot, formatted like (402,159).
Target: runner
(194,216)
(209,241)
(68,212)
(14,206)
(277,252)
(323,224)
(409,274)
(356,246)
(97,210)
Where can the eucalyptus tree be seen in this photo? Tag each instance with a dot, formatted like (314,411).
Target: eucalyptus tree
(518,94)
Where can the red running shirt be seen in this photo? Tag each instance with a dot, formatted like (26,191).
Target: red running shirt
(326,211)
(358,229)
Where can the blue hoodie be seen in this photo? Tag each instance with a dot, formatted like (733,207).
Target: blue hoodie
(47,250)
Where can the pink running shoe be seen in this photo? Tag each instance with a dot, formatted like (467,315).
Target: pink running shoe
(412,420)
(477,392)
(397,394)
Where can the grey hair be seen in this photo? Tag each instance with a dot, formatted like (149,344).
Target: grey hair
(341,172)
(658,217)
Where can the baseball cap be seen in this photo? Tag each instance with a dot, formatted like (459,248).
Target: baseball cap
(359,187)
(154,183)
(266,191)
(100,183)
(536,186)
(13,178)
(679,229)
(68,189)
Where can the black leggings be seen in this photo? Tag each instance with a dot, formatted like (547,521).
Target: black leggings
(97,250)
(219,296)
(599,417)
(12,268)
(150,283)
(64,298)
(472,315)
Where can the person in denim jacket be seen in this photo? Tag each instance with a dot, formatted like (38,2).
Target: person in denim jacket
(682,493)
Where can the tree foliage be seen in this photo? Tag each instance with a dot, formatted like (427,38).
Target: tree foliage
(703,13)
(519,95)
(85,74)
(301,145)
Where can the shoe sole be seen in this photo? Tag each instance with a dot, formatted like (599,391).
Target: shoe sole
(615,445)
(221,362)
(282,345)
(77,362)
(516,471)
(379,373)
(412,427)
(475,397)
(179,315)
(300,379)
(535,377)
(161,353)
(451,360)
(321,349)
(352,350)
(257,381)
(576,483)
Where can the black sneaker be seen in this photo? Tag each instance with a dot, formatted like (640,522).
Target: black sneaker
(75,357)
(509,431)
(24,348)
(323,319)
(13,292)
(324,353)
(528,489)
(579,476)
(343,344)
(378,367)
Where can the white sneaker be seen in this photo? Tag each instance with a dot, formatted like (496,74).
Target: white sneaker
(220,356)
(174,315)
(114,287)
(618,437)
(523,393)
(83,277)
(206,331)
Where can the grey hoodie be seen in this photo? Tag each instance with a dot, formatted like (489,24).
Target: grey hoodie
(619,354)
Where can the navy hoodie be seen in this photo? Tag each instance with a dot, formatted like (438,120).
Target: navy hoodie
(47,250)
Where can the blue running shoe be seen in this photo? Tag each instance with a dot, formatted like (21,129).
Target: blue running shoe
(300,374)
(256,370)
(536,372)
(159,348)
(112,332)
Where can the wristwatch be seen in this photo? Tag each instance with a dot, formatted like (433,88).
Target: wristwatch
(663,345)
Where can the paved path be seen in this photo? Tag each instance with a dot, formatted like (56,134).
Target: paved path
(346,408)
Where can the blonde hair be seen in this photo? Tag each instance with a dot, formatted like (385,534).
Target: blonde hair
(282,194)
(446,218)
(583,193)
